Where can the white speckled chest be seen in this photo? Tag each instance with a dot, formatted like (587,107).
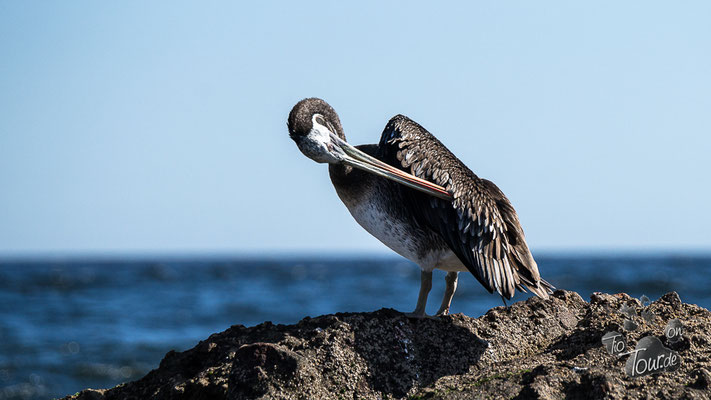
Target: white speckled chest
(397,234)
(391,232)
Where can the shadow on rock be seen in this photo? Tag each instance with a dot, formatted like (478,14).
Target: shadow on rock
(414,352)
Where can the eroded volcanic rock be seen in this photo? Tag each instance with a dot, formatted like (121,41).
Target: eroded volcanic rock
(545,349)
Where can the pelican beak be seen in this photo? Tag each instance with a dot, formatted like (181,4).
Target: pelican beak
(358,159)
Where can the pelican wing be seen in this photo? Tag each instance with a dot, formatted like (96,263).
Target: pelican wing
(479,224)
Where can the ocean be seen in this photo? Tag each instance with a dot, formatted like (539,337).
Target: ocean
(70,324)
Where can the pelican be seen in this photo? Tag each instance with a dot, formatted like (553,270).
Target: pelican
(417,198)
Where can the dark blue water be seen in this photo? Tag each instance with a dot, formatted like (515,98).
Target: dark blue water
(67,325)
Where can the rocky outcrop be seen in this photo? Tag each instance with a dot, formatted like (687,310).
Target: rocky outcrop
(545,349)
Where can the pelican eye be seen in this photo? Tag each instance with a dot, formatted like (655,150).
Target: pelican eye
(320,119)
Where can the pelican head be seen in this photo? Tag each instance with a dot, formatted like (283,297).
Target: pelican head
(317,130)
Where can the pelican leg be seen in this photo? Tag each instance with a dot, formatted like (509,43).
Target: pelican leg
(451,280)
(425,287)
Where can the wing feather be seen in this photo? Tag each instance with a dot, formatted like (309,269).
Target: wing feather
(479,224)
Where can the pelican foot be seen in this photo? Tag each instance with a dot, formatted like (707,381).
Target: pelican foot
(442,313)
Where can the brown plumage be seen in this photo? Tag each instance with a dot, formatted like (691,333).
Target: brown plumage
(480,225)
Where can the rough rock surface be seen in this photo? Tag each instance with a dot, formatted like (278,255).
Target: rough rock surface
(535,349)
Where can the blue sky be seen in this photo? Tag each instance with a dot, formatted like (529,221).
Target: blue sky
(159,127)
